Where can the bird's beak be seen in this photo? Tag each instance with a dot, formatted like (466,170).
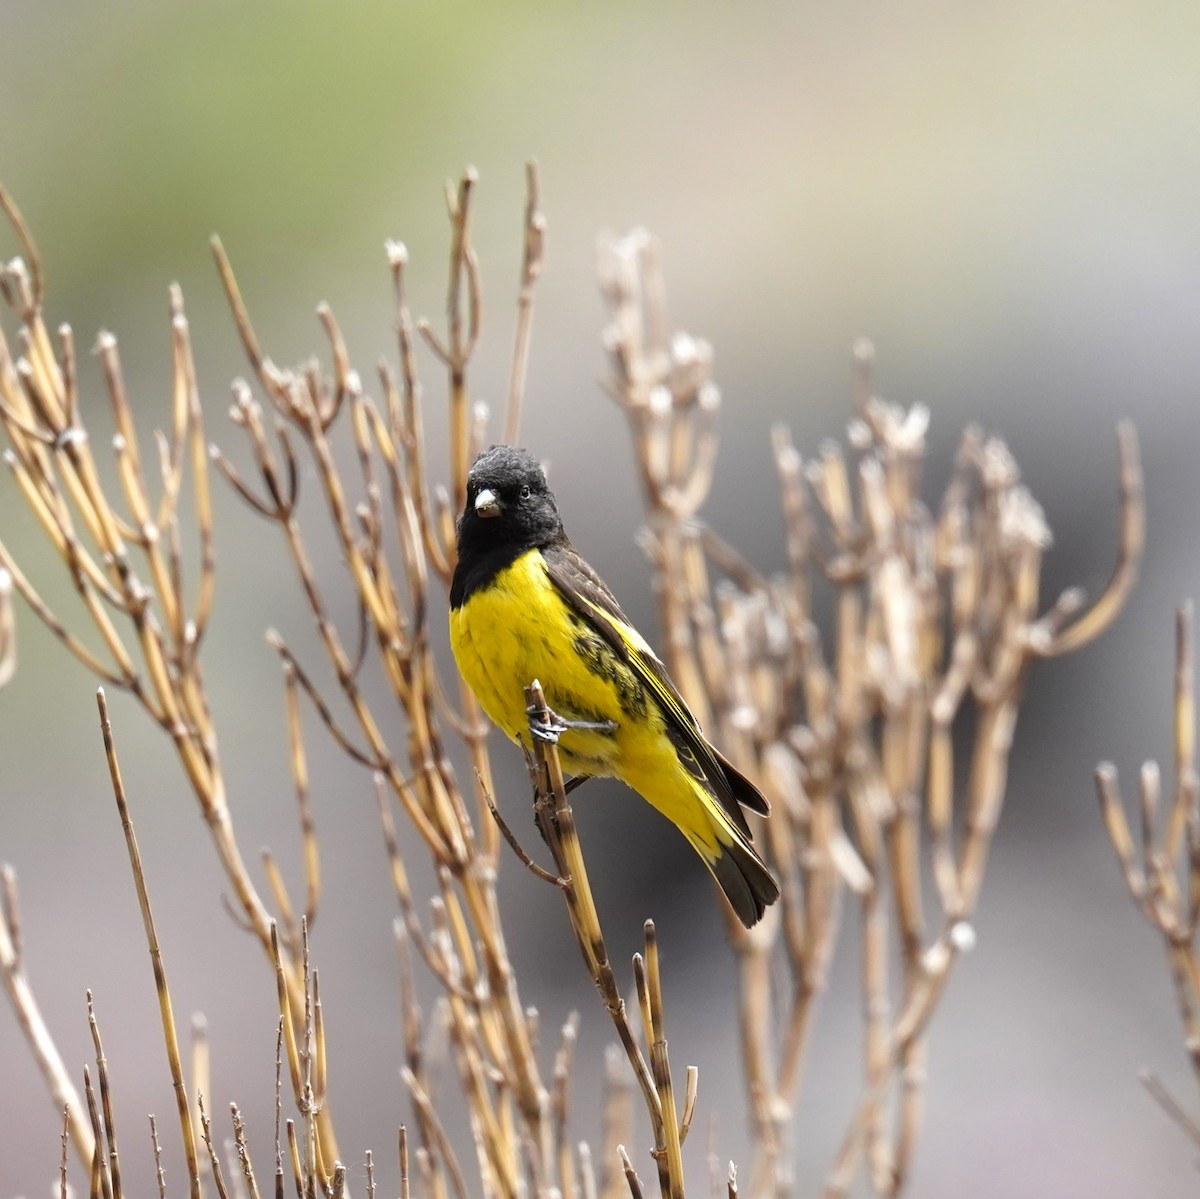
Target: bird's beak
(486,503)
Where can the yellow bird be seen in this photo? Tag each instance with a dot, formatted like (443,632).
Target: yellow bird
(524,605)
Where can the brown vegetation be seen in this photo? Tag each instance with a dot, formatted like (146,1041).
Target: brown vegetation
(884,748)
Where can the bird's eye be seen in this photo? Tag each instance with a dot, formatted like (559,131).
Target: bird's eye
(526,492)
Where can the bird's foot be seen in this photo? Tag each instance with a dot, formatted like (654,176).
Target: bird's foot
(547,725)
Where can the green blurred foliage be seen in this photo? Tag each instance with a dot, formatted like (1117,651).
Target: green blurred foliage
(144,126)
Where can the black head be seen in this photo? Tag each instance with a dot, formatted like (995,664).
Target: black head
(509,509)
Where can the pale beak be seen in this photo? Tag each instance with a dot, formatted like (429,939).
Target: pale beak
(486,503)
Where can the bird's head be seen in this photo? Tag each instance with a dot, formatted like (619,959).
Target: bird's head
(508,501)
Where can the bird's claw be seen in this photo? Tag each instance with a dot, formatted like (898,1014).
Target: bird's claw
(546,725)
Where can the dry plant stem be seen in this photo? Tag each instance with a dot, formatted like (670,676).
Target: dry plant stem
(1162,865)
(33,1025)
(430,781)
(1132,546)
(461,310)
(308,831)
(649,985)
(531,268)
(402,1150)
(631,1179)
(414,1058)
(1169,1104)
(243,1152)
(306,1055)
(556,822)
(933,616)
(587,1172)
(160,976)
(28,249)
(110,1130)
(214,1160)
(439,1139)
(488,1024)
(279,1172)
(101,1184)
(160,1176)
(616,1123)
(662,387)
(62,1157)
(200,1072)
(437,535)
(8,630)
(522,856)
(561,1107)
(149,629)
(298,1172)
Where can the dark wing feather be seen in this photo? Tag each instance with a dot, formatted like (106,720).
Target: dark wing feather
(743,790)
(589,596)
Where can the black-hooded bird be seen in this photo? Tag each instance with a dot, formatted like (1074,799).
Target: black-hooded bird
(524,605)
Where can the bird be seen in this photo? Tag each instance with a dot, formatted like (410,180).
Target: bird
(525,605)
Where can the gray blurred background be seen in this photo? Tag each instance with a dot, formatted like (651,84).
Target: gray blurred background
(1003,195)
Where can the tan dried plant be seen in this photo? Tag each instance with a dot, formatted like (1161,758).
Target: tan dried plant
(860,747)
(1162,864)
(936,619)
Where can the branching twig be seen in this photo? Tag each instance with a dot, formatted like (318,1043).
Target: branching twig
(933,616)
(556,822)
(1162,866)
(884,748)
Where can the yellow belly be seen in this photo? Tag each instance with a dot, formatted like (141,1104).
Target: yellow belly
(520,628)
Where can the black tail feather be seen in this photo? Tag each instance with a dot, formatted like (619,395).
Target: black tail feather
(746,881)
(741,788)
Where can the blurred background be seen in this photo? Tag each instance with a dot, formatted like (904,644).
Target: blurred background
(1004,196)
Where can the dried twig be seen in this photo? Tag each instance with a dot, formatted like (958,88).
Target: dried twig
(8,629)
(33,1025)
(934,615)
(160,975)
(556,822)
(936,619)
(531,268)
(1162,865)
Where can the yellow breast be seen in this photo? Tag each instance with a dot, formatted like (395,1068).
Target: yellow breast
(519,628)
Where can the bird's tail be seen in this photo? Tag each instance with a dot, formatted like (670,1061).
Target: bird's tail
(744,878)
(733,861)
(740,872)
(713,823)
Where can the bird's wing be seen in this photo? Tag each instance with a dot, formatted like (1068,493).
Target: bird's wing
(590,597)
